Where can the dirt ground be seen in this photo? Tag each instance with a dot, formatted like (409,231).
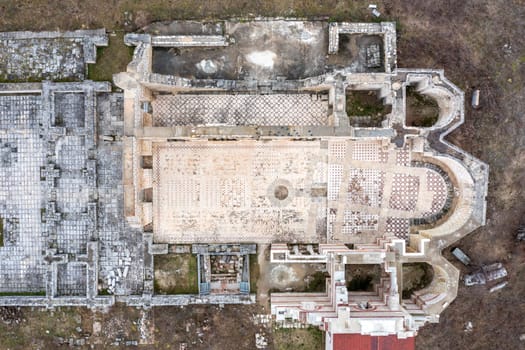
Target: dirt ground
(285,277)
(199,327)
(34,328)
(416,276)
(291,277)
(480,44)
(362,278)
(421,110)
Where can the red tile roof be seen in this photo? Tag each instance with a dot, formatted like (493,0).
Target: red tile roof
(367,342)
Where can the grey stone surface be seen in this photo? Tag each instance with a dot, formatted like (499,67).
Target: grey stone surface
(71,279)
(121,247)
(189,40)
(48,55)
(22,154)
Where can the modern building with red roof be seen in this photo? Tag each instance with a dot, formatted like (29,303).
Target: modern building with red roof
(367,342)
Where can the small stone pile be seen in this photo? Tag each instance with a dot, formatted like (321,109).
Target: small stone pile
(11,314)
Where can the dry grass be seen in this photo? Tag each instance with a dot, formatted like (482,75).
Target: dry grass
(41,328)
(176,274)
(130,14)
(300,338)
(111,59)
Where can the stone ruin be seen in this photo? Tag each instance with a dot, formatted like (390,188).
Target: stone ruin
(229,134)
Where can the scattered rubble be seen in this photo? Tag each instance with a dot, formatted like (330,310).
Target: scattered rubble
(475,99)
(260,341)
(374,10)
(120,272)
(487,273)
(521,234)
(507,49)
(10,314)
(54,55)
(498,286)
(262,319)
(461,256)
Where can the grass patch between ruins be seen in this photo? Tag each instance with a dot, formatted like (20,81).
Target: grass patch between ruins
(364,103)
(310,338)
(175,274)
(1,232)
(111,59)
(254,273)
(23,294)
(365,109)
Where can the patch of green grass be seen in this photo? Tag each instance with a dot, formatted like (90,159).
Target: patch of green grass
(1,232)
(103,292)
(23,294)
(420,99)
(357,104)
(517,63)
(355,107)
(298,338)
(364,108)
(427,122)
(254,273)
(4,79)
(175,274)
(399,27)
(163,10)
(111,59)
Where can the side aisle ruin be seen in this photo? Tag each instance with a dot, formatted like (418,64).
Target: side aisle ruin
(227,135)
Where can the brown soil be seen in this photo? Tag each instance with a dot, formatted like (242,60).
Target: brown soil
(206,327)
(421,110)
(416,276)
(449,35)
(362,278)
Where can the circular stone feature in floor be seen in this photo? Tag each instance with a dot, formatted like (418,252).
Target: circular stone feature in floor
(281,192)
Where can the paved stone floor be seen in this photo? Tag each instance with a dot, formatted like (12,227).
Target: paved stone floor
(264,110)
(50,181)
(72,279)
(382,189)
(236,191)
(201,193)
(121,247)
(22,155)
